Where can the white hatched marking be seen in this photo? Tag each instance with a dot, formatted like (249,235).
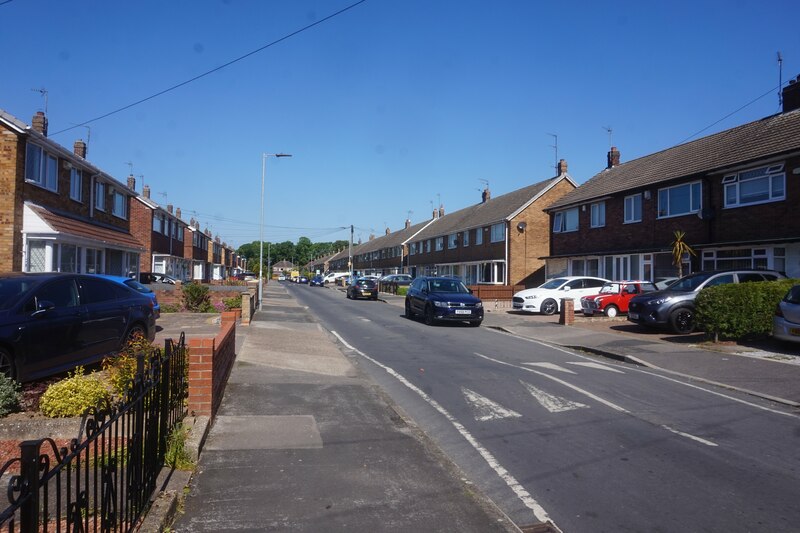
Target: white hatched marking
(550,366)
(485,409)
(554,404)
(598,366)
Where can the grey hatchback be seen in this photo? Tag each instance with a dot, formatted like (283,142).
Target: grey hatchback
(53,322)
(673,307)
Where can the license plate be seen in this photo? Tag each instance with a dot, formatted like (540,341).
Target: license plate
(463,312)
(794,331)
(366,293)
(634,316)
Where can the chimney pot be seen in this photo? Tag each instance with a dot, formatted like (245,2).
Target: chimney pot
(486,195)
(613,157)
(79,148)
(131,182)
(146,191)
(562,167)
(39,123)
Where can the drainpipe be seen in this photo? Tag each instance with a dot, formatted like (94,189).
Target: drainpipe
(505,266)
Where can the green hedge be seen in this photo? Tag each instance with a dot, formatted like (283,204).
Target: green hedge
(740,310)
(401,291)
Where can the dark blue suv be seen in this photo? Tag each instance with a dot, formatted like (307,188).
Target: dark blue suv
(443,299)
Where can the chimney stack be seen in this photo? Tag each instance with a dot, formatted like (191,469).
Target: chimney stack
(613,157)
(371,236)
(79,148)
(408,223)
(441,210)
(562,167)
(388,231)
(169,208)
(131,182)
(486,195)
(435,214)
(39,123)
(146,191)
(178,212)
(791,95)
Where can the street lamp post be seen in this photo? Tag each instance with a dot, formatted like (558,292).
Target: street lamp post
(264,157)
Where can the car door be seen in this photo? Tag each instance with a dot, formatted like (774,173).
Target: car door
(417,293)
(106,313)
(54,334)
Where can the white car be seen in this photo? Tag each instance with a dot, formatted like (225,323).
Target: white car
(332,277)
(546,298)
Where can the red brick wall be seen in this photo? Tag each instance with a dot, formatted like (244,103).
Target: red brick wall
(142,229)
(12,168)
(210,364)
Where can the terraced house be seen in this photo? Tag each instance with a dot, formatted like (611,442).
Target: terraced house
(59,212)
(735,194)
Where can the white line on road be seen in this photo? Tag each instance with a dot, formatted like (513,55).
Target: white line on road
(558,380)
(554,404)
(598,366)
(688,436)
(538,511)
(485,408)
(550,366)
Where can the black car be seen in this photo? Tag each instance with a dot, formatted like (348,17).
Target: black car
(363,288)
(673,307)
(155,277)
(317,281)
(53,322)
(438,298)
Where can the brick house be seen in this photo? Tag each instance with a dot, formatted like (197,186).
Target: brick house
(499,241)
(58,212)
(387,254)
(198,252)
(162,233)
(735,194)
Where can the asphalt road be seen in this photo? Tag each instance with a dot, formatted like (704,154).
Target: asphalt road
(591,444)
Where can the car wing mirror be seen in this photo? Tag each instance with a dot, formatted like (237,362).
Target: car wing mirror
(470,290)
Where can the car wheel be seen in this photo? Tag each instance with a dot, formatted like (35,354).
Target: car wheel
(429,319)
(375,298)
(682,320)
(611,311)
(348,294)
(7,364)
(549,307)
(475,323)
(409,312)
(137,330)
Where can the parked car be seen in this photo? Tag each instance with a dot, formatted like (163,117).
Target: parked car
(155,277)
(673,307)
(317,281)
(613,297)
(333,277)
(138,287)
(786,322)
(363,288)
(246,276)
(437,298)
(546,298)
(52,322)
(401,280)
(663,283)
(302,279)
(281,277)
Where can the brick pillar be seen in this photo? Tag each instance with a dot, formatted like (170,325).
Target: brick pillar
(567,316)
(201,371)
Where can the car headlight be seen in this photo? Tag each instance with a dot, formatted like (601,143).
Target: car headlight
(531,297)
(659,301)
(437,303)
(479,305)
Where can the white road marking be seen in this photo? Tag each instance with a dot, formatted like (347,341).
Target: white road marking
(550,366)
(538,511)
(554,404)
(688,436)
(558,380)
(485,408)
(598,366)
(364,319)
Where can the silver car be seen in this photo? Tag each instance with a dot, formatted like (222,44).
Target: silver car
(786,322)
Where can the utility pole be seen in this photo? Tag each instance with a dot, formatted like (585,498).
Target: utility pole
(350,254)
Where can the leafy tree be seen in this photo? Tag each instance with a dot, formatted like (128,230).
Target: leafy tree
(679,249)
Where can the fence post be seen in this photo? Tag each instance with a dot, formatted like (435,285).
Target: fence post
(166,373)
(29,495)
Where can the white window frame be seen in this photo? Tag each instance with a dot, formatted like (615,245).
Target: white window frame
(452,241)
(566,221)
(119,204)
(76,184)
(695,200)
(598,215)
(41,167)
(631,202)
(732,183)
(439,244)
(465,239)
(100,196)
(497,233)
(478,236)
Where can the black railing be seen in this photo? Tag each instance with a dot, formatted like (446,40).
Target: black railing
(104,480)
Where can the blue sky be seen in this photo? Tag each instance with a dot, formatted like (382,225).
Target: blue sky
(388,108)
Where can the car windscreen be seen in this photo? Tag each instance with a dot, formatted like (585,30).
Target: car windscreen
(690,283)
(447,285)
(365,283)
(11,289)
(793,296)
(553,284)
(138,287)
(610,288)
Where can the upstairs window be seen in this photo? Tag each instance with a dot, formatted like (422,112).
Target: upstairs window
(100,196)
(498,232)
(452,241)
(633,208)
(598,215)
(76,185)
(466,238)
(565,221)
(119,207)
(439,243)
(479,236)
(41,168)
(156,223)
(756,186)
(680,200)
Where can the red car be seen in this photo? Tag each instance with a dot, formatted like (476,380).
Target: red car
(613,297)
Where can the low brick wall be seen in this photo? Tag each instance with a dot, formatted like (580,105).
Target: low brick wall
(503,294)
(210,364)
(172,295)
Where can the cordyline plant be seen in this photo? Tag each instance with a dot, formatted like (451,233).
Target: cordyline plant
(679,249)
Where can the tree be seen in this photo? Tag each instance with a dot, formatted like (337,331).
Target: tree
(679,249)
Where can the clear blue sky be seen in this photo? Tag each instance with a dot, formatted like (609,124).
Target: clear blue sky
(390,107)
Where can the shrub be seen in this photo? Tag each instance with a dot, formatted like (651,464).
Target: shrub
(233,302)
(74,395)
(740,310)
(196,298)
(170,308)
(121,367)
(177,456)
(10,394)
(401,291)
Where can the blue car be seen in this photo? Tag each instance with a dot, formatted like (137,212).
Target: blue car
(443,299)
(138,287)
